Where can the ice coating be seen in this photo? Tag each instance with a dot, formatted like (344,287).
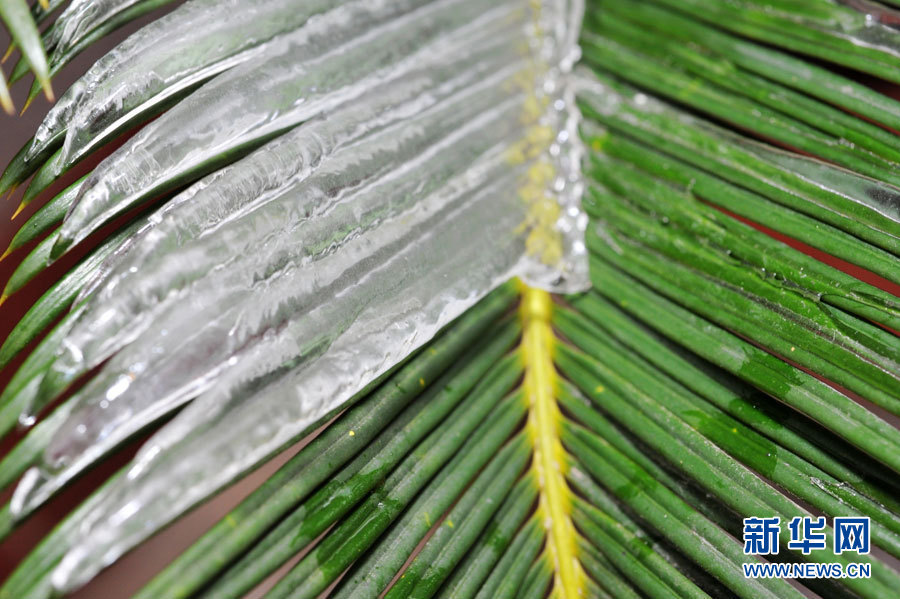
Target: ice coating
(859,22)
(557,243)
(266,318)
(116,316)
(80,18)
(229,192)
(332,23)
(194,42)
(123,397)
(465,117)
(263,99)
(331,279)
(865,201)
(395,315)
(864,28)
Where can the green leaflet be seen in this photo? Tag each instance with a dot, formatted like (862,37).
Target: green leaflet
(463,522)
(19,169)
(676,520)
(537,580)
(497,539)
(685,448)
(603,571)
(857,205)
(858,356)
(46,217)
(708,187)
(60,296)
(346,543)
(631,555)
(23,386)
(804,392)
(17,17)
(216,549)
(776,463)
(512,568)
(32,578)
(756,409)
(734,56)
(733,240)
(816,129)
(831,32)
(609,540)
(32,265)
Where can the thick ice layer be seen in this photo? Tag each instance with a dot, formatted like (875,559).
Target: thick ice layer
(249,104)
(149,275)
(273,317)
(191,44)
(269,281)
(230,192)
(273,309)
(94,122)
(385,312)
(80,18)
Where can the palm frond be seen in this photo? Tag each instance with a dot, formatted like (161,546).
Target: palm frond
(606,443)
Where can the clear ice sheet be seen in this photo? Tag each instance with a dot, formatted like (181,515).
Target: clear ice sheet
(80,18)
(194,42)
(398,235)
(330,23)
(396,315)
(146,277)
(328,211)
(292,83)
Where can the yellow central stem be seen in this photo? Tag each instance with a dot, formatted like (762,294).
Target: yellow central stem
(549,462)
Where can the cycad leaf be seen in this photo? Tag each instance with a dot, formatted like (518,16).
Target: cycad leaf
(357,174)
(767,62)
